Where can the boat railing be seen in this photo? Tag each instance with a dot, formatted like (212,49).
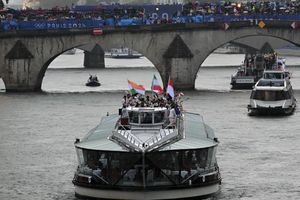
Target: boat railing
(166,136)
(202,172)
(125,138)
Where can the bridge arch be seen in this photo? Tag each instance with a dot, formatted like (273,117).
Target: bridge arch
(46,85)
(161,44)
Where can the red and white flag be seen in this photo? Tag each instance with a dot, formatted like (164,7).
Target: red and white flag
(97,31)
(156,86)
(170,88)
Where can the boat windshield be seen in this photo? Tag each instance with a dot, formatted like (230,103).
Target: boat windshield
(159,117)
(266,95)
(133,117)
(146,117)
(277,83)
(274,75)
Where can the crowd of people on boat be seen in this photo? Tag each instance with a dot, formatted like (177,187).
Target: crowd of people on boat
(173,105)
(192,8)
(257,63)
(155,100)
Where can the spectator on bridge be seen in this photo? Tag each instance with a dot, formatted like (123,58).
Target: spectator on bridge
(192,12)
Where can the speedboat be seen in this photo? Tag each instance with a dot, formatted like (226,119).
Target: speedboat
(272,94)
(93,81)
(139,154)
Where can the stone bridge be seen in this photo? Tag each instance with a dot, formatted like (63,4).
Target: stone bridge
(176,50)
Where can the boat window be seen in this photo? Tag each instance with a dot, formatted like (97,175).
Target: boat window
(159,117)
(277,83)
(164,168)
(290,92)
(179,166)
(274,76)
(124,113)
(259,58)
(286,74)
(146,117)
(80,156)
(133,117)
(287,94)
(265,95)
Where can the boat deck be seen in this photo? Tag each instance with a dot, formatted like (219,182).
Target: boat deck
(196,135)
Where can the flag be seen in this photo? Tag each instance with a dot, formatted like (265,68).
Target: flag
(156,86)
(170,88)
(136,88)
(261,24)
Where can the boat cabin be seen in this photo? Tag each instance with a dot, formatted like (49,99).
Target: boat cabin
(276,74)
(139,116)
(272,90)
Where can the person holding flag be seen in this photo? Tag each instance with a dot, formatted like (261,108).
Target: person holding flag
(155,87)
(170,88)
(135,88)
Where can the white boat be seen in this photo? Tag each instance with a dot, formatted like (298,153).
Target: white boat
(139,155)
(123,53)
(253,68)
(272,94)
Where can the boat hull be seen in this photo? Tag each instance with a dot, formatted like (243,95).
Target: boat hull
(125,56)
(243,82)
(93,84)
(239,86)
(271,110)
(196,192)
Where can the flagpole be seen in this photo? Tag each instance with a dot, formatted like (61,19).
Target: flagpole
(152,85)
(167,87)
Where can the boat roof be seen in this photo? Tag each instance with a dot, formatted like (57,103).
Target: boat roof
(197,135)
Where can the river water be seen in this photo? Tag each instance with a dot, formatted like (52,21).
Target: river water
(259,157)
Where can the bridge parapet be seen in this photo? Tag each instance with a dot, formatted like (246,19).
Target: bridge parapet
(148,28)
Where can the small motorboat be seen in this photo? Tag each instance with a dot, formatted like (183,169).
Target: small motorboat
(93,81)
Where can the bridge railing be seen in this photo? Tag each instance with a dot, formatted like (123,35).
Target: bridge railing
(7,25)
